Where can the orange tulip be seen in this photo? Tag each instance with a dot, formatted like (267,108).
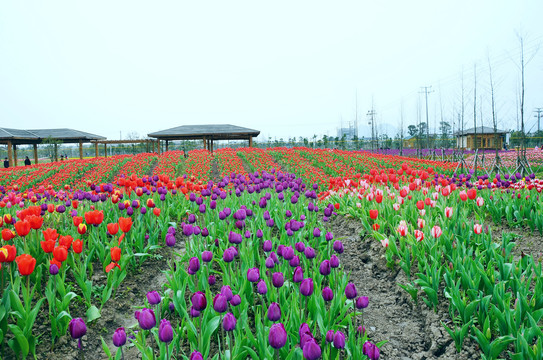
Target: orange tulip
(22,228)
(125,224)
(26,264)
(113,228)
(156,211)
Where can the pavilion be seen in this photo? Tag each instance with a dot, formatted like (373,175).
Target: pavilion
(208,134)
(14,137)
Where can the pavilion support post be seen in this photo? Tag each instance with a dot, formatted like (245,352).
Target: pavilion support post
(211,144)
(56,152)
(10,153)
(205,144)
(14,155)
(167,145)
(35,153)
(250,141)
(159,150)
(105,150)
(96,149)
(80,150)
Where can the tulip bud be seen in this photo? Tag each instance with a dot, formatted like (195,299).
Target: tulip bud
(274,312)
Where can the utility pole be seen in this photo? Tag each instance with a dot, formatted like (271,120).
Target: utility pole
(372,113)
(538,116)
(426,91)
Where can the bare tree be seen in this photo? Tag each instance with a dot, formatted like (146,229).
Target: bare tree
(475,118)
(497,160)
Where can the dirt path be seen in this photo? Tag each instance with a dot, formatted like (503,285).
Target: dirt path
(413,332)
(215,175)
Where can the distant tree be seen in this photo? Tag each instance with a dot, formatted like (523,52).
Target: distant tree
(445,130)
(306,142)
(319,143)
(343,140)
(325,140)
(314,139)
(51,145)
(412,130)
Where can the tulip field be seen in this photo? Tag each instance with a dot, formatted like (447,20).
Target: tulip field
(269,254)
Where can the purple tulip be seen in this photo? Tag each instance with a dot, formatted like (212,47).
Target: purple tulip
(211,280)
(362,302)
(53,269)
(329,236)
(267,246)
(153,297)
(229,322)
(329,336)
(195,355)
(261,287)
(146,319)
(306,287)
(270,264)
(193,312)
(227,291)
(170,240)
(324,268)
(295,261)
(327,294)
(119,337)
(338,247)
(199,301)
(274,312)
(277,337)
(220,303)
(339,340)
(165,331)
(228,255)
(288,253)
(278,279)
(350,291)
(300,246)
(371,350)
(207,256)
(298,275)
(194,265)
(309,252)
(334,261)
(311,350)
(77,328)
(236,300)
(253,274)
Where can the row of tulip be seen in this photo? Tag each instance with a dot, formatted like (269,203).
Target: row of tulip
(441,242)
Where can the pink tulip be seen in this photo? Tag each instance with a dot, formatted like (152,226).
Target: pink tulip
(436,231)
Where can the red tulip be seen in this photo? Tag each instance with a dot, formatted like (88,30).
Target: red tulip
(374,214)
(77,246)
(115,254)
(125,224)
(113,228)
(81,229)
(22,227)
(26,264)
(50,234)
(77,220)
(35,222)
(48,246)
(7,234)
(60,253)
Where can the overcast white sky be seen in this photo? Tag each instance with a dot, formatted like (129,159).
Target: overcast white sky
(286,68)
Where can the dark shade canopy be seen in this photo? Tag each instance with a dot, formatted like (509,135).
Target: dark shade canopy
(480,130)
(215,132)
(18,136)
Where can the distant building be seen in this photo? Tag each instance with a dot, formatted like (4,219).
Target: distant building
(485,138)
